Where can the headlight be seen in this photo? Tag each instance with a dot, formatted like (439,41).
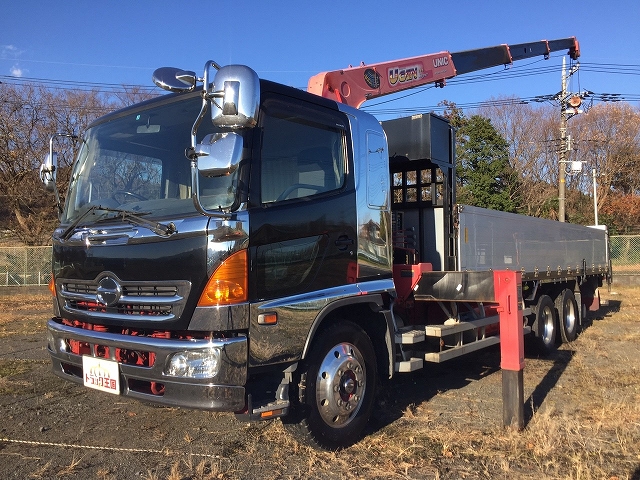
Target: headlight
(194,363)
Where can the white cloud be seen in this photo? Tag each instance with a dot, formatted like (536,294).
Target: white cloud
(16,71)
(9,51)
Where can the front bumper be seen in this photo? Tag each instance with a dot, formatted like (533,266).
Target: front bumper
(223,392)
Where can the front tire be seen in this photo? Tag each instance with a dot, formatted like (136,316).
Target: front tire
(338,384)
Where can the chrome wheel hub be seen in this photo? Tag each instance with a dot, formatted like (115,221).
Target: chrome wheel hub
(548,326)
(340,384)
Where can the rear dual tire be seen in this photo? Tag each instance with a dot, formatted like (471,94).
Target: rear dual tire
(568,315)
(551,317)
(544,325)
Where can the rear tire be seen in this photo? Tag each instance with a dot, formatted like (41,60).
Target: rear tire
(568,315)
(338,384)
(544,325)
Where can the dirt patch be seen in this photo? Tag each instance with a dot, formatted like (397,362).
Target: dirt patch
(582,418)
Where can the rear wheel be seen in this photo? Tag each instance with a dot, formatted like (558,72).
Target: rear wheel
(567,315)
(544,325)
(338,385)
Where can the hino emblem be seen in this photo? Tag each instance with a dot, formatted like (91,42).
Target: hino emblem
(108,292)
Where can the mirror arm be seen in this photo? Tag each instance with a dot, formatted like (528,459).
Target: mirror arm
(206,97)
(191,154)
(193,157)
(58,203)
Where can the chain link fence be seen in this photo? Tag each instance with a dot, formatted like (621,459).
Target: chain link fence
(625,255)
(23,266)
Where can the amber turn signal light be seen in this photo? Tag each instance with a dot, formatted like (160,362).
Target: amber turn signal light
(228,284)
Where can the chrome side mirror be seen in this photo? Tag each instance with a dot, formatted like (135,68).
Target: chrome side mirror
(49,167)
(234,99)
(48,171)
(175,79)
(219,154)
(234,93)
(238,87)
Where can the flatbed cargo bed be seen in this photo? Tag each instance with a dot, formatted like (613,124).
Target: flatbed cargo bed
(538,248)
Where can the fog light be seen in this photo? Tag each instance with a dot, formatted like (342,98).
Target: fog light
(194,363)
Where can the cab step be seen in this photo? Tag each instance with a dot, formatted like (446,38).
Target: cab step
(410,365)
(255,411)
(410,335)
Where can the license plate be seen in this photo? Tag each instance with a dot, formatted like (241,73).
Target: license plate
(101,374)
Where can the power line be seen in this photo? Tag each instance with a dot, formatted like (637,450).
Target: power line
(601,97)
(77,85)
(514,71)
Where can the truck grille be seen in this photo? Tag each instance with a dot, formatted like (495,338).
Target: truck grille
(156,301)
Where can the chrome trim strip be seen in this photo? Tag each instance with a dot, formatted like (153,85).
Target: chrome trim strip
(148,299)
(298,317)
(94,316)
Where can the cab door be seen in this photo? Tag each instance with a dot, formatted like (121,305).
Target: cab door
(303,214)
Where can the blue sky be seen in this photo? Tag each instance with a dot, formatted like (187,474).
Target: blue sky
(120,42)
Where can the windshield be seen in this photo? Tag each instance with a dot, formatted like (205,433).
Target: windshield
(137,162)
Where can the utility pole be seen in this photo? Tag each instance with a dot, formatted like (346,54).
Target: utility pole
(565,102)
(595,197)
(562,180)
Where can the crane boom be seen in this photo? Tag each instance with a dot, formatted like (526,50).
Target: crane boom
(354,85)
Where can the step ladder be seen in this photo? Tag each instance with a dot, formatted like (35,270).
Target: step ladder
(413,335)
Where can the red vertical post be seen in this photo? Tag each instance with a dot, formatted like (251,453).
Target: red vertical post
(508,293)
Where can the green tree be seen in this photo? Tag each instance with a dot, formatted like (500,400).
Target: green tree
(485,177)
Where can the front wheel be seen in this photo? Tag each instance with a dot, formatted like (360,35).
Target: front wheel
(338,385)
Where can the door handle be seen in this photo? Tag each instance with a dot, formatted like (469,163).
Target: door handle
(343,242)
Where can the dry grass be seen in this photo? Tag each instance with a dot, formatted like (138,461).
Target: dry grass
(586,425)
(14,368)
(23,313)
(70,469)
(42,472)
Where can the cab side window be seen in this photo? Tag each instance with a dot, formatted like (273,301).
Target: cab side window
(302,155)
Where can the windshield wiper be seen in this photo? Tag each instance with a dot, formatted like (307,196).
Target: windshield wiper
(69,230)
(127,216)
(135,219)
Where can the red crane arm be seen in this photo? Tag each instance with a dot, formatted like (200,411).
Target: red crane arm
(354,85)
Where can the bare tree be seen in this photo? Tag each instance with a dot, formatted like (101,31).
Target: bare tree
(607,138)
(531,134)
(29,115)
(131,94)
